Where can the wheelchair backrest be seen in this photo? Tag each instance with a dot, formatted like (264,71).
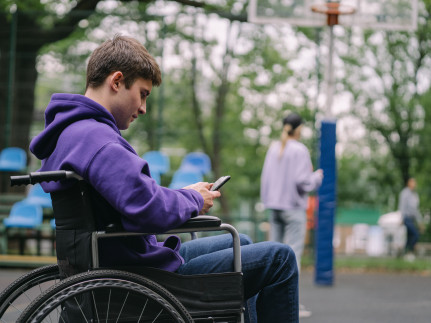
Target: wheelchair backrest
(78,212)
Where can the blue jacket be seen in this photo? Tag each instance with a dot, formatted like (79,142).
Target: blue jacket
(82,136)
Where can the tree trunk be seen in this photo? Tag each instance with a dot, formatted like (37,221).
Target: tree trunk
(23,102)
(17,88)
(217,141)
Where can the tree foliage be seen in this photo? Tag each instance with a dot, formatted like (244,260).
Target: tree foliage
(218,90)
(386,76)
(225,92)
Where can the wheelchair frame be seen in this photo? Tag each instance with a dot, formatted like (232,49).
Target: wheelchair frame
(200,223)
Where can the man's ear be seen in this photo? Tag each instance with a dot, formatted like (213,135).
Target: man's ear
(115,80)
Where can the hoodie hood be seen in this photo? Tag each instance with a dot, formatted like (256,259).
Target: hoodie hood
(62,111)
(82,136)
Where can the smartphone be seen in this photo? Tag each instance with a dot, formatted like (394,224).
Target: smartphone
(220,182)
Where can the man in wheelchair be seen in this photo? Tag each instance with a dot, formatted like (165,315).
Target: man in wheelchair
(82,134)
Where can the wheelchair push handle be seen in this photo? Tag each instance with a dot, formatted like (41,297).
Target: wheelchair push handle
(39,177)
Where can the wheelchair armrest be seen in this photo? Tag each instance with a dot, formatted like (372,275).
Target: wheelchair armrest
(200,221)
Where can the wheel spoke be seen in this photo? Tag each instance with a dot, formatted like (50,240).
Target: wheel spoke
(158,315)
(50,319)
(107,296)
(15,308)
(143,310)
(122,306)
(59,314)
(80,308)
(95,306)
(109,303)
(28,297)
(18,295)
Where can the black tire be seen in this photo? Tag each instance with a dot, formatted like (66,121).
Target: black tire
(108,296)
(24,290)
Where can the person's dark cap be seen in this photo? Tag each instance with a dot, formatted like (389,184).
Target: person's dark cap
(293,119)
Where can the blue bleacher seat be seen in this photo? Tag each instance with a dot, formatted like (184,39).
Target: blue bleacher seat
(196,161)
(23,215)
(183,178)
(13,159)
(37,196)
(156,177)
(157,161)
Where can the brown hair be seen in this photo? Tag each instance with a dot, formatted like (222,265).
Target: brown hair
(124,54)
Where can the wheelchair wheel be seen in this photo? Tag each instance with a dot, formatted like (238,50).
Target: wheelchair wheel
(106,296)
(19,294)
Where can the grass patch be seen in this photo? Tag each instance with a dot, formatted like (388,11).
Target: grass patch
(380,264)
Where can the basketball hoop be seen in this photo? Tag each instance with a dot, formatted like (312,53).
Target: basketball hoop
(332,10)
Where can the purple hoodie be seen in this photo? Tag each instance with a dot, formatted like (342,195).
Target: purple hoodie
(82,136)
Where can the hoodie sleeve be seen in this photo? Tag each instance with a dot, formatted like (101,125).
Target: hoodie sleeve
(307,180)
(125,183)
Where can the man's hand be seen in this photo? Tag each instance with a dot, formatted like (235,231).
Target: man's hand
(204,189)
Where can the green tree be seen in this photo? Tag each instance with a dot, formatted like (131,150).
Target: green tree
(208,106)
(384,74)
(229,107)
(28,26)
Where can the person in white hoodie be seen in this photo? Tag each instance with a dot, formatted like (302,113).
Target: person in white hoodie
(287,178)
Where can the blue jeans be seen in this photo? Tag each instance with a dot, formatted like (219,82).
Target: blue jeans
(412,234)
(269,271)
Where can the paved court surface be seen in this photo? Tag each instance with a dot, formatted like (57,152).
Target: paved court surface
(354,297)
(8,275)
(368,298)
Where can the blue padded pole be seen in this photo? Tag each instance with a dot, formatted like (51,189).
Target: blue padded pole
(324,272)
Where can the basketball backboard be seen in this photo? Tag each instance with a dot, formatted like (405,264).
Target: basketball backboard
(369,14)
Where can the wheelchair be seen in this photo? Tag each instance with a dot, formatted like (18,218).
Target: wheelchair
(119,294)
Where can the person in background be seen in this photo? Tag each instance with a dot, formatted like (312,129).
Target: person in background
(409,207)
(287,178)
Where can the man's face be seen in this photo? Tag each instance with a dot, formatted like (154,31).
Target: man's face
(130,103)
